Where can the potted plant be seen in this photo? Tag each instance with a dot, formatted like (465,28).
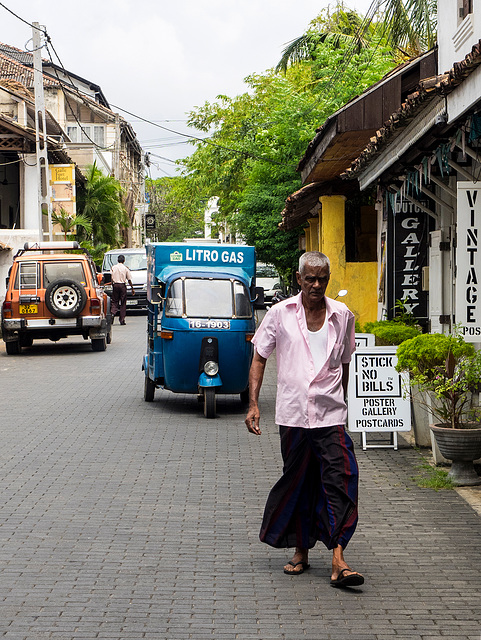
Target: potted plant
(449,370)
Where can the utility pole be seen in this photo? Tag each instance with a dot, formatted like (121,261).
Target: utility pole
(43,178)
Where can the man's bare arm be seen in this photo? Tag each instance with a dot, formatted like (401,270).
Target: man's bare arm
(256,375)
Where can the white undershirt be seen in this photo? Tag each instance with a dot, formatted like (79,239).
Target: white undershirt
(318,346)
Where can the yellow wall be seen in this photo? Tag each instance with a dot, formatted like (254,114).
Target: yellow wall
(359,278)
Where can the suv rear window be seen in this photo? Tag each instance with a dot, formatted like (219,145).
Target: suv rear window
(53,271)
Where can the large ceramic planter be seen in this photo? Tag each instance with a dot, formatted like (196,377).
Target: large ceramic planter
(462,446)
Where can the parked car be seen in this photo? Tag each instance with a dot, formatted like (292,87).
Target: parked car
(53,294)
(136,261)
(268,278)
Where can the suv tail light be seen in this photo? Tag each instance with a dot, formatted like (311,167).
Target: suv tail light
(95,306)
(7,309)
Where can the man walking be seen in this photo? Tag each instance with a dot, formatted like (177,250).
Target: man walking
(316,497)
(120,276)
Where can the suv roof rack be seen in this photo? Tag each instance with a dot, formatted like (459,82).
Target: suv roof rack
(47,246)
(55,245)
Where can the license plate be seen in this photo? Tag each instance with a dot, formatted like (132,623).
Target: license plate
(209,324)
(28,308)
(131,302)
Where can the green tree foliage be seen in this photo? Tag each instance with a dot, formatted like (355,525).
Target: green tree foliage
(176,216)
(255,140)
(100,202)
(407,26)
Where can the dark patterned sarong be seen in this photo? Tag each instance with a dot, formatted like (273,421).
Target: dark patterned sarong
(316,497)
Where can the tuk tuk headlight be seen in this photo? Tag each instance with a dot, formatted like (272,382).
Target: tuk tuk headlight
(211,368)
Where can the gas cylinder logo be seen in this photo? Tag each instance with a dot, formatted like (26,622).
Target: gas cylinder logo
(176,256)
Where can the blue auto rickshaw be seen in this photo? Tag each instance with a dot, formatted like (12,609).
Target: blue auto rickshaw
(200,319)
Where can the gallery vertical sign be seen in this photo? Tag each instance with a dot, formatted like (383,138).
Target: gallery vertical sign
(410,242)
(468,265)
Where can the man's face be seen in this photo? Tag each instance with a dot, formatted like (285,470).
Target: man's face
(313,282)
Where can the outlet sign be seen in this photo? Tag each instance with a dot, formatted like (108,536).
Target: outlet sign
(378,396)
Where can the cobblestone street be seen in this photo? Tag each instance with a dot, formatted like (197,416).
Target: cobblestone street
(122,519)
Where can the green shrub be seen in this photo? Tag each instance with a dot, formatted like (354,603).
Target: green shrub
(449,369)
(391,332)
(424,354)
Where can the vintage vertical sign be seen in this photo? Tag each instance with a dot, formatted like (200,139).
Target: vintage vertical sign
(411,234)
(468,265)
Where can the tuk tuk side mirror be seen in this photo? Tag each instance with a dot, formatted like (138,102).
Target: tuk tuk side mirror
(156,295)
(259,298)
(100,278)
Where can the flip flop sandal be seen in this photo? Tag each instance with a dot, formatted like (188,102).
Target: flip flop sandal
(352,580)
(304,565)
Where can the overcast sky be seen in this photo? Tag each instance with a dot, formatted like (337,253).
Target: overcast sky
(160,59)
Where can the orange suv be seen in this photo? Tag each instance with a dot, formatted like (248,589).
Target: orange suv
(54,294)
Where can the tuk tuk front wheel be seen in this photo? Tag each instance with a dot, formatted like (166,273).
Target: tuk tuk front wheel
(149,390)
(209,402)
(244,396)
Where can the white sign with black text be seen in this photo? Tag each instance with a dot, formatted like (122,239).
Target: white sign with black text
(378,396)
(468,265)
(365,340)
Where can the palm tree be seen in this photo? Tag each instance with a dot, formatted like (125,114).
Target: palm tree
(411,25)
(408,25)
(68,221)
(101,203)
(337,28)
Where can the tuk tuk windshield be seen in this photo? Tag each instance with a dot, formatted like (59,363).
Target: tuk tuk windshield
(208,298)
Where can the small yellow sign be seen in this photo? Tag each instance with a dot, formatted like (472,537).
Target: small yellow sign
(62,173)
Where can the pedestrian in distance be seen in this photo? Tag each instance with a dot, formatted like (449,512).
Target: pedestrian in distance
(316,497)
(120,276)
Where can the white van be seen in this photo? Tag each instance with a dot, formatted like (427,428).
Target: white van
(268,278)
(136,261)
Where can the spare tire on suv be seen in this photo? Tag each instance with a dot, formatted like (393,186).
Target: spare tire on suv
(53,294)
(65,298)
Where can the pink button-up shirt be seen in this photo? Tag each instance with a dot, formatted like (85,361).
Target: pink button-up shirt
(306,397)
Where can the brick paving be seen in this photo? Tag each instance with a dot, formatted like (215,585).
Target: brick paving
(121,519)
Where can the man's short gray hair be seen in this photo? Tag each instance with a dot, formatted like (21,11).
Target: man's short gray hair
(314,259)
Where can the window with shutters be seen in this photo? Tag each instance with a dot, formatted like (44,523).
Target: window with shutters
(87,134)
(465,7)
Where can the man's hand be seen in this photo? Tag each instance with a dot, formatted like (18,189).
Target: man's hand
(252,420)
(256,375)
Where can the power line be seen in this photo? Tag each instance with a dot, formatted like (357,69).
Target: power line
(21,19)
(246,154)
(348,54)
(97,146)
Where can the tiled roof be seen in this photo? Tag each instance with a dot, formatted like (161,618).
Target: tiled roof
(24,57)
(16,87)
(12,70)
(427,89)
(320,131)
